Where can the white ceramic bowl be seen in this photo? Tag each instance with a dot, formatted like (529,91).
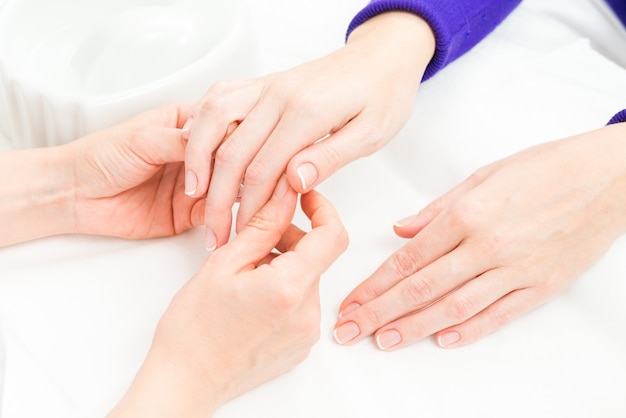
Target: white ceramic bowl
(69,67)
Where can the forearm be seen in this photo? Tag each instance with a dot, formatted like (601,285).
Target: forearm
(34,196)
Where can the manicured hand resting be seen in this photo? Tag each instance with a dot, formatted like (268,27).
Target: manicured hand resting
(504,241)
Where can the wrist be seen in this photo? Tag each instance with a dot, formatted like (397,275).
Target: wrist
(403,39)
(36,196)
(163,389)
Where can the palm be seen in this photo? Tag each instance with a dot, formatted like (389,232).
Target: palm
(126,190)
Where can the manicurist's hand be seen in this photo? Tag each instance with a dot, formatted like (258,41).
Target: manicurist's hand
(356,98)
(124,181)
(507,239)
(247,316)
(129,179)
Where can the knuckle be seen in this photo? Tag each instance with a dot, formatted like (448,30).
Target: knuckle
(494,244)
(218,88)
(332,157)
(308,104)
(461,307)
(264,223)
(374,134)
(372,317)
(209,107)
(500,315)
(479,176)
(405,262)
(465,213)
(417,290)
(286,298)
(341,238)
(228,153)
(257,174)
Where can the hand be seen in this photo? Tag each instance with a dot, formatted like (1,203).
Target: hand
(356,98)
(504,241)
(246,317)
(128,179)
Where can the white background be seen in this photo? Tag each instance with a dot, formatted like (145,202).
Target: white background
(78,312)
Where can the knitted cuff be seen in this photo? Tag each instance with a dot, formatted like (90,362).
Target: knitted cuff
(618,118)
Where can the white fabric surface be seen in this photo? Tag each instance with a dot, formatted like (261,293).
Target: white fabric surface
(77,313)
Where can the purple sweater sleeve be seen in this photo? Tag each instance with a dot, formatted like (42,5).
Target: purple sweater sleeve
(620,117)
(458,24)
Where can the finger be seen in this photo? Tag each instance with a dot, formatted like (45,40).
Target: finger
(209,123)
(232,158)
(156,145)
(412,225)
(455,308)
(498,314)
(439,238)
(416,292)
(262,233)
(319,248)
(317,162)
(290,238)
(296,130)
(173,116)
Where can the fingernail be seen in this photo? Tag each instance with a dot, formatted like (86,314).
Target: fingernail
(346,332)
(281,188)
(191,182)
(350,308)
(186,128)
(403,222)
(210,240)
(388,339)
(308,174)
(448,338)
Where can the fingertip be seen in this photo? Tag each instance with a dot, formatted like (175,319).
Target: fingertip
(185,132)
(303,175)
(409,226)
(308,175)
(448,338)
(191,183)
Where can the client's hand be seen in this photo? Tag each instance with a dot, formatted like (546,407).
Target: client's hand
(513,235)
(246,317)
(356,98)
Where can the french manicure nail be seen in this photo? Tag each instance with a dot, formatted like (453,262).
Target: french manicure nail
(307,174)
(191,183)
(186,128)
(350,308)
(210,240)
(388,339)
(448,338)
(281,188)
(346,332)
(405,221)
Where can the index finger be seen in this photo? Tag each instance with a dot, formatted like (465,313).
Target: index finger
(436,240)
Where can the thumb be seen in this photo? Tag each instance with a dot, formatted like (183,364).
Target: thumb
(158,146)
(263,231)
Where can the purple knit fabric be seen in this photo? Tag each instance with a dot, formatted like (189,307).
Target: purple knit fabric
(619,7)
(460,24)
(620,117)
